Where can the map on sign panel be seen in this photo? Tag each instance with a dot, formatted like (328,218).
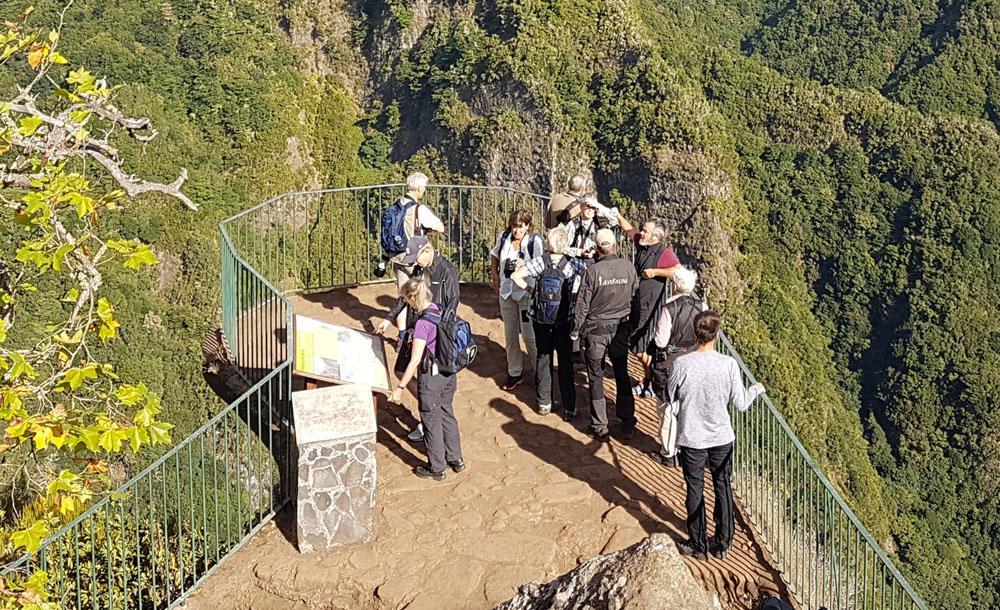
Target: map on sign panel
(340,354)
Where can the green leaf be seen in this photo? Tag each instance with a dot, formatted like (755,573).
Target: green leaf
(142,256)
(74,377)
(108,330)
(19,367)
(43,436)
(72,295)
(91,438)
(30,539)
(104,310)
(84,205)
(80,76)
(130,395)
(123,246)
(30,254)
(28,125)
(66,481)
(137,437)
(59,255)
(159,433)
(112,439)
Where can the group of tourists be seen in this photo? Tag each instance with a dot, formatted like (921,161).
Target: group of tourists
(569,296)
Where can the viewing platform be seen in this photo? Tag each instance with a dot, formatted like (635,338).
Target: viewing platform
(539,496)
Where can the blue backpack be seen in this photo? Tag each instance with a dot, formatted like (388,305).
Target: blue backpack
(454,348)
(552,300)
(393,238)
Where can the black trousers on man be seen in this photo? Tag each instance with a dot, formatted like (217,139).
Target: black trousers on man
(611,341)
(720,461)
(551,338)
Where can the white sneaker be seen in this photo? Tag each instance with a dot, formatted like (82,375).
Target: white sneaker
(544,409)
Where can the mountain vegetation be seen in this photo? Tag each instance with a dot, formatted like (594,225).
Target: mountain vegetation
(832,169)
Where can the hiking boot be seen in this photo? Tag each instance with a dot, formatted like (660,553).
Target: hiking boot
(569,415)
(667,460)
(628,433)
(512,382)
(416,435)
(688,550)
(717,550)
(457,467)
(544,409)
(602,437)
(425,472)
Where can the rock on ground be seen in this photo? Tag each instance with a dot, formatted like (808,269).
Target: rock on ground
(647,576)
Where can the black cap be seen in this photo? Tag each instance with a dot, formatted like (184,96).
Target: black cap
(413,248)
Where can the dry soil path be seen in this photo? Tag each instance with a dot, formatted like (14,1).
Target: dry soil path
(538,498)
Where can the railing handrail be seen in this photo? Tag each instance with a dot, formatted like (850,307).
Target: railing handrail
(804,453)
(145,471)
(346,189)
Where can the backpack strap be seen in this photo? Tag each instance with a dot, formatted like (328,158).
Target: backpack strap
(547,260)
(430,316)
(407,202)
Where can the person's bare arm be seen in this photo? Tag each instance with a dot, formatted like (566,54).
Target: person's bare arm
(656,272)
(411,369)
(495,273)
(625,225)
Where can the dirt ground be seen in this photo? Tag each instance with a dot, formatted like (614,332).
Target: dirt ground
(538,498)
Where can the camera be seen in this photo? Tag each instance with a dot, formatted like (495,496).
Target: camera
(509,266)
(381,266)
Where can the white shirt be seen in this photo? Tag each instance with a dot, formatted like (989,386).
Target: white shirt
(504,250)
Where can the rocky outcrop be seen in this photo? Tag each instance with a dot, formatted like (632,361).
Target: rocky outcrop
(649,575)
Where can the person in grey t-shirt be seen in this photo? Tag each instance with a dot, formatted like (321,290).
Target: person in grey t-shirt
(703,383)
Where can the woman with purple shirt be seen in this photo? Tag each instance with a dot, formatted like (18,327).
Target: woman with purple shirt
(435,390)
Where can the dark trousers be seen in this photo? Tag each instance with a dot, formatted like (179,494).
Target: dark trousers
(614,344)
(556,339)
(436,394)
(720,461)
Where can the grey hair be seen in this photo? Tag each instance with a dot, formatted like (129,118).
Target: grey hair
(557,239)
(685,279)
(577,183)
(659,228)
(416,181)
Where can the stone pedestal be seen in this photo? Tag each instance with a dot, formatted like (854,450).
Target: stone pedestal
(335,435)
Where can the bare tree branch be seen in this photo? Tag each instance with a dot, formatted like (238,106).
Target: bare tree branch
(135,187)
(12,180)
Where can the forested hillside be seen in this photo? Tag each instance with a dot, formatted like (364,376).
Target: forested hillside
(936,56)
(848,231)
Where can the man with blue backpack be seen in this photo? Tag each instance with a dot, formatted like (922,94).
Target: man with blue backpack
(557,279)
(403,220)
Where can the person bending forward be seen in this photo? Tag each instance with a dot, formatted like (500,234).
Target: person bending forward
(436,391)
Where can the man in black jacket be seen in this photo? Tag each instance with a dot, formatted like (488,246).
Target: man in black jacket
(601,321)
(443,278)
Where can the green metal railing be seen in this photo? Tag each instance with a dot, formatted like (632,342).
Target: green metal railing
(826,556)
(169,527)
